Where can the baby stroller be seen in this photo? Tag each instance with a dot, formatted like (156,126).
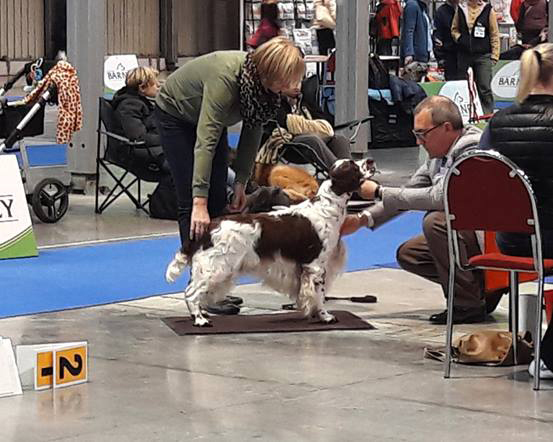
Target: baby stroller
(43,167)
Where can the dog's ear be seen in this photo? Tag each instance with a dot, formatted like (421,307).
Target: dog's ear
(346,176)
(367,167)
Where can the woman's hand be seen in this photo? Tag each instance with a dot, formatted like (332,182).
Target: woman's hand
(239,198)
(200,218)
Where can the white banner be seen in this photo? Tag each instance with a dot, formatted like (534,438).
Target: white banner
(505,81)
(16,233)
(9,378)
(115,70)
(458,91)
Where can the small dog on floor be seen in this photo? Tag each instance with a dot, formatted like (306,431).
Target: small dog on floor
(296,251)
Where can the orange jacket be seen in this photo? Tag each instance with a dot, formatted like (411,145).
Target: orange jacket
(387,19)
(515,9)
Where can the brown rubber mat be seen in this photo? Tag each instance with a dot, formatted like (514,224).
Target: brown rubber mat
(268,323)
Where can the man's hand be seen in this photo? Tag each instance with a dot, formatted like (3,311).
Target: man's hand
(367,189)
(353,223)
(407,60)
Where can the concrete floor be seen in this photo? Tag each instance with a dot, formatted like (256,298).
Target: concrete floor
(148,384)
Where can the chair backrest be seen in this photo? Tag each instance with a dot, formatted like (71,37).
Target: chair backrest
(107,116)
(483,190)
(137,161)
(115,151)
(310,92)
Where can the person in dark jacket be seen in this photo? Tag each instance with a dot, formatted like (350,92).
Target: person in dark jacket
(532,21)
(445,48)
(134,111)
(416,43)
(476,32)
(523,132)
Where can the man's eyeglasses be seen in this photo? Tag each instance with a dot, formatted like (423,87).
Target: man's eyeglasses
(422,134)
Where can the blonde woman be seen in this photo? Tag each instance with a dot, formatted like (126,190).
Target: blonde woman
(524,133)
(195,106)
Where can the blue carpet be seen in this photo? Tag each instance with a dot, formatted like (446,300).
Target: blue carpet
(76,277)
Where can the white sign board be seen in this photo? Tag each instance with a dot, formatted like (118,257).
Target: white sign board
(115,70)
(302,38)
(52,365)
(458,91)
(505,81)
(9,378)
(16,232)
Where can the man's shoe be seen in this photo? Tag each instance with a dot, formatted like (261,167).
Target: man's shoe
(460,316)
(234,300)
(223,307)
(545,373)
(492,300)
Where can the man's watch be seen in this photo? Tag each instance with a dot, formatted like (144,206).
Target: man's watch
(378,192)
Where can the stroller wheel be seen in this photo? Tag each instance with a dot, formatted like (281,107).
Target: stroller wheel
(50,200)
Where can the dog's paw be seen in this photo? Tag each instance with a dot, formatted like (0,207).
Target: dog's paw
(200,321)
(326,317)
(175,267)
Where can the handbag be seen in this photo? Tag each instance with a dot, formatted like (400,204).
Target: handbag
(487,347)
(323,17)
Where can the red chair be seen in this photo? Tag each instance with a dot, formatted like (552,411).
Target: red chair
(483,190)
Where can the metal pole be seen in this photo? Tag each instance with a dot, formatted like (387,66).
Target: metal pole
(168,33)
(550,33)
(242,22)
(86,48)
(352,61)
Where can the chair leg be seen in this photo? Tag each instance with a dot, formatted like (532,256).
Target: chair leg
(139,206)
(449,331)
(537,334)
(513,312)
(97,193)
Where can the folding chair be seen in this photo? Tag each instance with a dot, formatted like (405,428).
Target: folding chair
(486,191)
(118,151)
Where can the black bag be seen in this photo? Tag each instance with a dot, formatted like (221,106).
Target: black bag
(379,77)
(163,200)
(13,115)
(391,126)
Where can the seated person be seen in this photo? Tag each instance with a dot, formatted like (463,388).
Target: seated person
(133,107)
(529,122)
(300,122)
(439,129)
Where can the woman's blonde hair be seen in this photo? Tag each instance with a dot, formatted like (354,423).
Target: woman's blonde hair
(141,76)
(279,60)
(536,66)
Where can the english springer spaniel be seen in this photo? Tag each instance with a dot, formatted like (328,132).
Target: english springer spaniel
(296,250)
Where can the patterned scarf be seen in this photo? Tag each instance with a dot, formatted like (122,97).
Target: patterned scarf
(257,105)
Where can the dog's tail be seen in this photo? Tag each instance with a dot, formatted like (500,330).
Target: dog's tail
(176,266)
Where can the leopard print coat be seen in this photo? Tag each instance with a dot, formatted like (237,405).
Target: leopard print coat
(70,112)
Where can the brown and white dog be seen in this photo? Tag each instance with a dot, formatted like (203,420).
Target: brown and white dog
(296,251)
